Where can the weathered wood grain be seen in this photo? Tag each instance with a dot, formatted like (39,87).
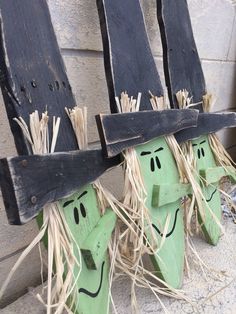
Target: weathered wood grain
(129,64)
(183,71)
(182,65)
(207,123)
(130,67)
(29,182)
(122,130)
(33,75)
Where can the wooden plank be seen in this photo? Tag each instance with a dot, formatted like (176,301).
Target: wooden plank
(207,123)
(182,65)
(130,67)
(33,75)
(169,193)
(120,131)
(82,213)
(183,71)
(213,175)
(95,245)
(30,182)
(129,63)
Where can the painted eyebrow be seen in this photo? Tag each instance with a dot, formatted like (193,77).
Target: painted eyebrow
(145,153)
(67,203)
(81,195)
(203,142)
(194,144)
(158,150)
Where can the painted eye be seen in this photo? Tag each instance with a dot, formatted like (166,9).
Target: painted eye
(203,153)
(76,215)
(158,163)
(82,209)
(67,203)
(198,153)
(152,165)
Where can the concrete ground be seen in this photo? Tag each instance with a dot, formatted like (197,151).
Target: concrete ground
(213,293)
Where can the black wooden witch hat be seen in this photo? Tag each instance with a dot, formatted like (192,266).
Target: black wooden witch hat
(139,74)
(182,66)
(30,182)
(132,75)
(36,80)
(122,130)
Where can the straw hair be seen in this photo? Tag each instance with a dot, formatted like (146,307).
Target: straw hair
(127,239)
(221,156)
(61,248)
(186,166)
(131,241)
(198,198)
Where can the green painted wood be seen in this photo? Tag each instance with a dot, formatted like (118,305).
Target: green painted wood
(83,217)
(126,70)
(183,70)
(212,175)
(96,244)
(205,160)
(33,77)
(168,193)
(231,173)
(159,168)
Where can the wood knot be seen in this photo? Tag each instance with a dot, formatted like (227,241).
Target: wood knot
(24,163)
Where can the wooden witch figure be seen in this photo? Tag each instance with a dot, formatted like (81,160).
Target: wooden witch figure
(153,187)
(51,175)
(186,88)
(157,175)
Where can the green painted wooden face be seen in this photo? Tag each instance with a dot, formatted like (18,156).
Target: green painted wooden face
(157,163)
(82,215)
(158,167)
(203,153)
(204,160)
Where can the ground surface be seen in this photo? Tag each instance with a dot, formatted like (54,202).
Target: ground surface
(209,295)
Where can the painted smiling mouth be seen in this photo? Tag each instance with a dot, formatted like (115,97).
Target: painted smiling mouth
(208,200)
(173,228)
(94,294)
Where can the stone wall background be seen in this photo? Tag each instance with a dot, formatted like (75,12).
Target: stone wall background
(77,29)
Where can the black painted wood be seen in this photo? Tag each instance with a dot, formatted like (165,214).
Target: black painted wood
(122,130)
(33,77)
(129,63)
(182,65)
(207,123)
(32,73)
(30,182)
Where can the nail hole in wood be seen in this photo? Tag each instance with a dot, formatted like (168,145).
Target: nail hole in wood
(50,86)
(57,85)
(33,199)
(24,163)
(33,84)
